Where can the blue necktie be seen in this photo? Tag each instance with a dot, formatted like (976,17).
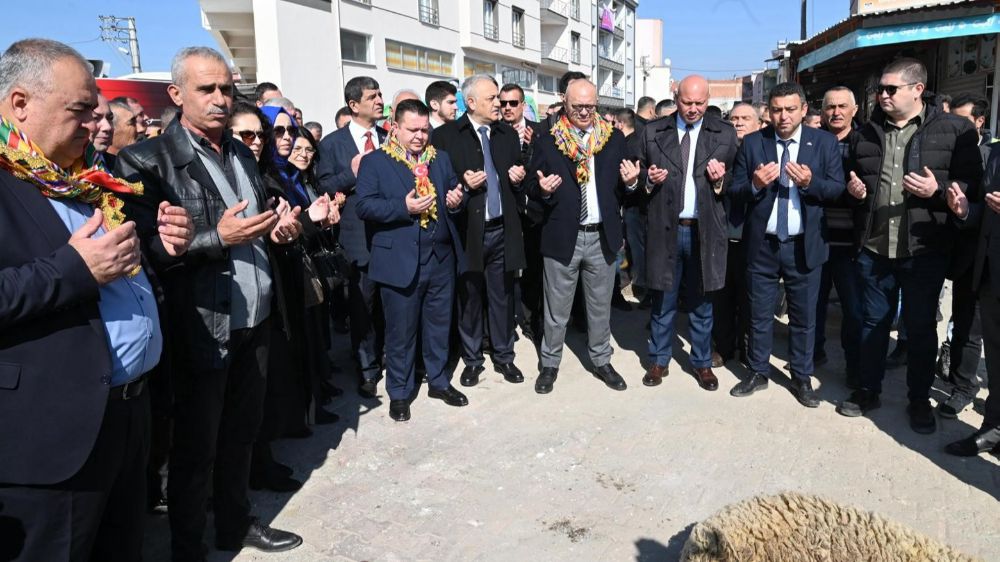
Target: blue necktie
(782,226)
(492,180)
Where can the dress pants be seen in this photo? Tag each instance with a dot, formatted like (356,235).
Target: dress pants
(217,413)
(730,307)
(784,261)
(367,324)
(530,283)
(635,235)
(497,285)
(841,271)
(98,513)
(425,306)
(687,275)
(989,303)
(966,335)
(598,275)
(918,280)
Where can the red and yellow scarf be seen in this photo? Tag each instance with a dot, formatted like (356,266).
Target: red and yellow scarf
(87,181)
(420,167)
(570,144)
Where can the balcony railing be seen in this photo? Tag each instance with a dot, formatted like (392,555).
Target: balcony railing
(557,6)
(608,55)
(428,14)
(518,38)
(491,31)
(575,56)
(556,53)
(612,92)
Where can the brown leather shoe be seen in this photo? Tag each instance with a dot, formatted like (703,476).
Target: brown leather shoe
(718,360)
(706,379)
(654,375)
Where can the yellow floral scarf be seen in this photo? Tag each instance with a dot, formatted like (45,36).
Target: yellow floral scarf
(420,167)
(570,144)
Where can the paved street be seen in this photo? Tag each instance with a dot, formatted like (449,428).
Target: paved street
(586,473)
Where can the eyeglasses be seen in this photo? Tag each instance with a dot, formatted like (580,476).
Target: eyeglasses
(307,150)
(247,136)
(512,103)
(280,131)
(578,109)
(890,89)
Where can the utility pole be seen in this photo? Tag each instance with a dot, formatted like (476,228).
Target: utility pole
(122,31)
(803,32)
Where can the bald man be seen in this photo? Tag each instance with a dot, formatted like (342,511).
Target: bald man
(688,161)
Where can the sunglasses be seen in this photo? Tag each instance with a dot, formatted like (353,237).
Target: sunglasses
(512,103)
(280,131)
(307,150)
(891,90)
(247,136)
(578,109)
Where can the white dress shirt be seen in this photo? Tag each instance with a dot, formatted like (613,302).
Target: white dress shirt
(690,210)
(593,206)
(358,134)
(794,203)
(489,134)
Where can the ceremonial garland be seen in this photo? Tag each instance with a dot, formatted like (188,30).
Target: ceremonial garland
(420,167)
(569,143)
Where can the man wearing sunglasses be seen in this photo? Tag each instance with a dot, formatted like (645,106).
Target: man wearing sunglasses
(900,167)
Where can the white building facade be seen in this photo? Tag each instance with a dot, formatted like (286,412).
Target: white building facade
(311,48)
(652,70)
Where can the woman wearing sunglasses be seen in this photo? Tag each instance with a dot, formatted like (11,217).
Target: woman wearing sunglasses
(246,122)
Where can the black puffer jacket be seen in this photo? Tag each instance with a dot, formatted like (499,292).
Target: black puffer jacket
(946,144)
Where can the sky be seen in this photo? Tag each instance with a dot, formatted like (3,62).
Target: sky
(718,38)
(726,38)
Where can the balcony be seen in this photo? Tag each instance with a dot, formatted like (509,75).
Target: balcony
(559,7)
(517,39)
(555,53)
(491,31)
(428,14)
(611,96)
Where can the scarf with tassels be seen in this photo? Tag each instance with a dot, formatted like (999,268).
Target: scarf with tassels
(420,168)
(87,181)
(569,143)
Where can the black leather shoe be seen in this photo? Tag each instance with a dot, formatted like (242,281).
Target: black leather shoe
(546,378)
(757,381)
(803,391)
(368,389)
(450,396)
(859,403)
(510,372)
(610,377)
(470,375)
(922,418)
(950,408)
(399,410)
(979,442)
(263,538)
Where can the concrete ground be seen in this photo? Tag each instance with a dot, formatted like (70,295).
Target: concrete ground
(587,473)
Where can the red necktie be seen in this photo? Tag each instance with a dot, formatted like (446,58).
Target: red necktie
(369,145)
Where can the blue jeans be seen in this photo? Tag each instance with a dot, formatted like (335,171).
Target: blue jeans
(841,271)
(687,274)
(919,280)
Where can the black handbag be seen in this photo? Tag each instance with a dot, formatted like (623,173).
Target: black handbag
(331,263)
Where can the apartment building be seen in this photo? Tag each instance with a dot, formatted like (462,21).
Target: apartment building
(310,48)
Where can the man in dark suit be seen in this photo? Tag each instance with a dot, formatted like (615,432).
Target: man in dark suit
(485,153)
(984,214)
(220,304)
(79,326)
(406,194)
(579,174)
(528,286)
(786,172)
(336,172)
(688,158)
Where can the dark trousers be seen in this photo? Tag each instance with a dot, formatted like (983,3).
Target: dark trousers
(161,400)
(918,279)
(98,513)
(966,335)
(217,413)
(989,304)
(635,235)
(841,271)
(497,285)
(530,283)
(783,261)
(730,306)
(367,330)
(424,306)
(687,275)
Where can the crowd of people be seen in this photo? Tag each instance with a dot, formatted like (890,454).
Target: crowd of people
(169,304)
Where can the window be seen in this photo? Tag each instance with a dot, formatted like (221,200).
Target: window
(517,23)
(546,83)
(575,47)
(429,11)
(418,59)
(521,77)
(491,25)
(353,46)
(473,66)
(574,9)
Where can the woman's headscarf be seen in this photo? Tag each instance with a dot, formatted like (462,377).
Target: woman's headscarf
(291,177)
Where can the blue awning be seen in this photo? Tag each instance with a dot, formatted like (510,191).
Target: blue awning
(888,35)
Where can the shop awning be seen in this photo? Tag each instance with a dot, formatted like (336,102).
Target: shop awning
(905,33)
